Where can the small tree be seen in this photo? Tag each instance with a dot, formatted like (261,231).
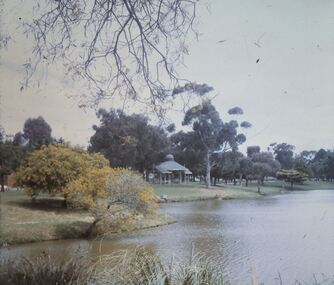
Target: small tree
(292,176)
(245,165)
(51,168)
(264,165)
(124,194)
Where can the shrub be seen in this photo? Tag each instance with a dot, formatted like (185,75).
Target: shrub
(52,167)
(44,270)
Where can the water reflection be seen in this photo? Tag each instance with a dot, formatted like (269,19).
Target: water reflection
(292,234)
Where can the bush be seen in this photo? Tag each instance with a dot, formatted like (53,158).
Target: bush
(43,270)
(52,167)
(112,195)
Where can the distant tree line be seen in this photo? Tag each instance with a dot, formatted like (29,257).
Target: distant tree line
(209,149)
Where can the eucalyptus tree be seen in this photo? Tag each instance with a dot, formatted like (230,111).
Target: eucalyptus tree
(253,149)
(128,140)
(38,132)
(284,154)
(212,133)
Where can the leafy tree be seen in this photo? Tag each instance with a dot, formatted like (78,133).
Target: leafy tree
(38,132)
(284,154)
(292,176)
(245,168)
(124,194)
(187,150)
(303,166)
(320,155)
(212,134)
(10,158)
(19,139)
(128,140)
(330,166)
(307,156)
(52,167)
(171,128)
(321,165)
(264,165)
(252,149)
(226,165)
(2,134)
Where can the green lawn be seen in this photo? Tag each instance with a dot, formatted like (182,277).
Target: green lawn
(22,221)
(197,191)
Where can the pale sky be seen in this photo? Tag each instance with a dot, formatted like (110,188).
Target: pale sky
(288,95)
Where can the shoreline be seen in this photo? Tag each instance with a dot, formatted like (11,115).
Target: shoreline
(23,222)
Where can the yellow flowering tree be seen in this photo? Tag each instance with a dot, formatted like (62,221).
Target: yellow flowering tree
(111,194)
(51,168)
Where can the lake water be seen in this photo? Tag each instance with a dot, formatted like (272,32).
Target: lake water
(290,235)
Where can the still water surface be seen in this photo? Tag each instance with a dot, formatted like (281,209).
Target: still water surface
(291,235)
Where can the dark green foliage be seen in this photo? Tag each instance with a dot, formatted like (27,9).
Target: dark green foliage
(252,149)
(199,89)
(11,156)
(38,132)
(226,165)
(236,111)
(187,150)
(263,165)
(292,176)
(303,166)
(19,139)
(322,165)
(212,134)
(284,154)
(171,128)
(245,125)
(128,140)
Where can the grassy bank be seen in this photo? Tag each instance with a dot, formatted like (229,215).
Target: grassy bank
(22,221)
(196,191)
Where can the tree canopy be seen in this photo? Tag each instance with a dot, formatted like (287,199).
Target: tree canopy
(211,132)
(37,131)
(11,157)
(52,167)
(128,140)
(284,154)
(292,176)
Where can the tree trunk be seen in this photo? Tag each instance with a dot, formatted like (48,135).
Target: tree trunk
(2,181)
(291,184)
(91,227)
(246,182)
(146,176)
(208,170)
(240,179)
(234,181)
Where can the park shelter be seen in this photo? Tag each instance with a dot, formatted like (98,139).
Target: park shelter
(169,171)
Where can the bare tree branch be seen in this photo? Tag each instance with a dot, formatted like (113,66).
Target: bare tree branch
(126,48)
